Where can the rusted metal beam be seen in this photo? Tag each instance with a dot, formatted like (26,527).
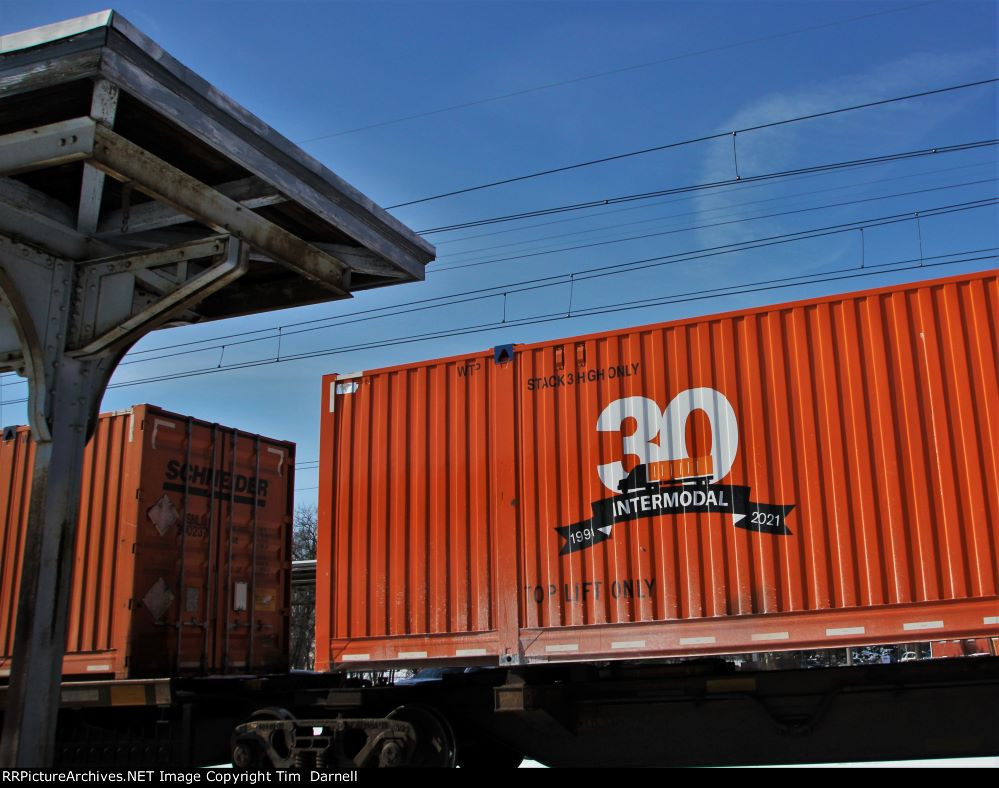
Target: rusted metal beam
(36,218)
(249,192)
(106,325)
(176,92)
(103,106)
(153,176)
(46,146)
(361,260)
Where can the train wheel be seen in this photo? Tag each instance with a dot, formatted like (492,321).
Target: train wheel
(435,742)
(248,754)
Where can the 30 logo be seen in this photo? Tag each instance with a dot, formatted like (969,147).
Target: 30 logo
(666,480)
(670,426)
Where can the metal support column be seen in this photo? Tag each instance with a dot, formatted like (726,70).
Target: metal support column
(64,394)
(40,636)
(140,213)
(66,327)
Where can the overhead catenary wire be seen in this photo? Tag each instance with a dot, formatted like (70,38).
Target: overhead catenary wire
(386,310)
(870,270)
(494,291)
(285,326)
(695,140)
(673,231)
(729,206)
(596,272)
(315,321)
(892,157)
(593,273)
(735,188)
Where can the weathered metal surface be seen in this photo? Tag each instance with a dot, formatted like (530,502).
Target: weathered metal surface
(109,316)
(181,564)
(186,147)
(248,192)
(810,474)
(46,146)
(169,185)
(103,106)
(101,66)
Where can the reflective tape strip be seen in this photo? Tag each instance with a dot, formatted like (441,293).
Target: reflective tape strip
(98,668)
(990,620)
(412,654)
(771,636)
(562,647)
(470,652)
(5,672)
(162,692)
(628,644)
(157,423)
(280,454)
(704,641)
(128,695)
(923,625)
(355,657)
(839,631)
(80,696)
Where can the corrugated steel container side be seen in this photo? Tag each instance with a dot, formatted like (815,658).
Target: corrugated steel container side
(969,647)
(182,548)
(808,474)
(423,525)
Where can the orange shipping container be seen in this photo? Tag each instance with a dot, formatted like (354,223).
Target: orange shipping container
(970,647)
(811,474)
(182,562)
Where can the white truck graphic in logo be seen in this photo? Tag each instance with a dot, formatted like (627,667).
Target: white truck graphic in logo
(667,481)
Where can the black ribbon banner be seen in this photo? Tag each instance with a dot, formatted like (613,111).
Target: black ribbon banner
(641,498)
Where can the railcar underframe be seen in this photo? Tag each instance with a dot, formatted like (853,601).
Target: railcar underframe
(700,713)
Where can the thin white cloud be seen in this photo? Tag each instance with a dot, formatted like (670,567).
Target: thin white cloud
(887,129)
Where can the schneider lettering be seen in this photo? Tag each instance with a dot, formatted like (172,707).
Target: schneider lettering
(205,476)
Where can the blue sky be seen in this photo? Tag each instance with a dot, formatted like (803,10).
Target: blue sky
(621,77)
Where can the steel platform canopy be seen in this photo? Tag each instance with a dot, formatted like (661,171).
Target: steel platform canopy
(326,237)
(134,195)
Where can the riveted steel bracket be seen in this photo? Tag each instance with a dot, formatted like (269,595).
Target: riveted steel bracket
(119,299)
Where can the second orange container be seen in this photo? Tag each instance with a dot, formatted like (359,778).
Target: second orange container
(182,562)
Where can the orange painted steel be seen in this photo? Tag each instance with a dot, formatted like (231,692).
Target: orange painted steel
(969,647)
(182,554)
(810,474)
